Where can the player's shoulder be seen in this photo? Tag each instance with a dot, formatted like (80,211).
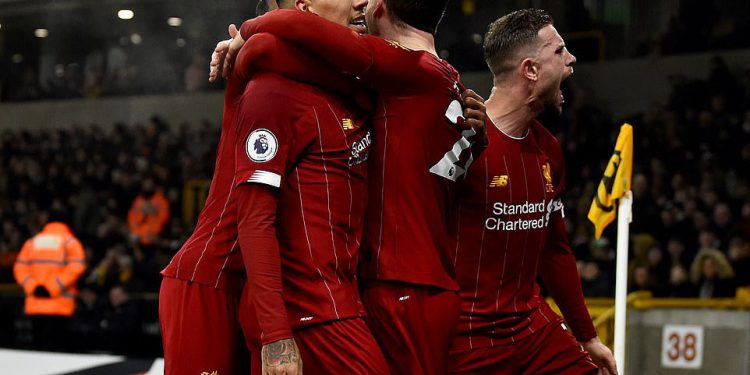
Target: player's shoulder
(379,42)
(545,139)
(260,41)
(275,93)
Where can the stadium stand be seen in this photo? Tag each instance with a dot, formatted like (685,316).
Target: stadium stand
(690,241)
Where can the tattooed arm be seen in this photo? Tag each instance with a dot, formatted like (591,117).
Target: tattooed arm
(281,358)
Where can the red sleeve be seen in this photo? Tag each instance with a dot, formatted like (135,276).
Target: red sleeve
(558,264)
(266,52)
(560,276)
(267,140)
(346,50)
(260,253)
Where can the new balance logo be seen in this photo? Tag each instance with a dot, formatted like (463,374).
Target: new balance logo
(499,181)
(347,124)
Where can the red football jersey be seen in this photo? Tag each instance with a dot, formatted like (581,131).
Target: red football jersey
(418,156)
(211,256)
(419,151)
(314,148)
(508,223)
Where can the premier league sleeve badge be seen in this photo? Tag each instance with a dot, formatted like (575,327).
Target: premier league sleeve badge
(261,145)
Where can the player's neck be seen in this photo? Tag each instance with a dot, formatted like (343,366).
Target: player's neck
(509,110)
(410,38)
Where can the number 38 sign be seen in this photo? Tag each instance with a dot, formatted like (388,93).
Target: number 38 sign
(682,346)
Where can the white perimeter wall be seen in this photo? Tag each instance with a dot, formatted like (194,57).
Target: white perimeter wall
(191,108)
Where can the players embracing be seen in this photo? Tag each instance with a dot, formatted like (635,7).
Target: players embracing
(422,146)
(439,220)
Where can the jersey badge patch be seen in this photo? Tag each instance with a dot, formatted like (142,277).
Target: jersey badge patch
(547,172)
(261,145)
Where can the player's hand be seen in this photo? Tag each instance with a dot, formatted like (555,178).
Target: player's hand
(475,115)
(234,48)
(219,56)
(601,355)
(217,59)
(281,358)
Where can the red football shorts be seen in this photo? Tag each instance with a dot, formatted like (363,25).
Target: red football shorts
(338,347)
(413,324)
(551,350)
(200,330)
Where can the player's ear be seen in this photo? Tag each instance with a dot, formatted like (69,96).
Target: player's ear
(380,8)
(302,5)
(530,70)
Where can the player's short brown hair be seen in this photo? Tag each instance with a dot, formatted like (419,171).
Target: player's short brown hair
(509,34)
(424,15)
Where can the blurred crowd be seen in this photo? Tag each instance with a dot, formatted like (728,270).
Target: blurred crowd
(123,188)
(700,25)
(169,61)
(691,231)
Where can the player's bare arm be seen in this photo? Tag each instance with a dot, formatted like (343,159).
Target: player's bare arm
(336,43)
(281,358)
(226,51)
(601,355)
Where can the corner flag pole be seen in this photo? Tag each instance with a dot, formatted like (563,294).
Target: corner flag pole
(624,217)
(615,185)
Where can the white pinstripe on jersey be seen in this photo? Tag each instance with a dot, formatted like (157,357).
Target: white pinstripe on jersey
(309,245)
(507,240)
(481,246)
(218,223)
(542,243)
(382,189)
(525,240)
(221,271)
(351,199)
(458,234)
(328,196)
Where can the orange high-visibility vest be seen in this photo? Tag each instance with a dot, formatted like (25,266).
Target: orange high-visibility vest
(54,258)
(147,226)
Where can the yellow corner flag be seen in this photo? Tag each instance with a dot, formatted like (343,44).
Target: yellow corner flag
(615,183)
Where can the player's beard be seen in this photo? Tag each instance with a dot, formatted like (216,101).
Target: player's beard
(552,100)
(551,105)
